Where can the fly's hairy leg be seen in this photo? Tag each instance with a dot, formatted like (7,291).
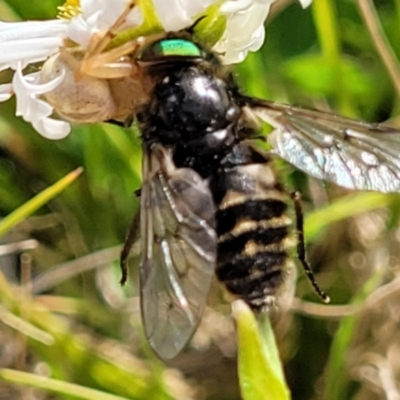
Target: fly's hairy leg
(130,240)
(301,251)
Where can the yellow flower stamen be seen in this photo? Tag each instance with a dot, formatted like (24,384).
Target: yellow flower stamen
(70,9)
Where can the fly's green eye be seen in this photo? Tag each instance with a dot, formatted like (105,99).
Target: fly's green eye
(171,48)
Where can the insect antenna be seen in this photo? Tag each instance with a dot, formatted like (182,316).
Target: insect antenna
(130,240)
(301,251)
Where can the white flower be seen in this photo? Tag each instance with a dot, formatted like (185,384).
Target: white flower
(246,17)
(29,42)
(25,43)
(97,16)
(305,3)
(179,14)
(33,109)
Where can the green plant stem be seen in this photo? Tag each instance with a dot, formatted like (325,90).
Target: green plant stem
(380,41)
(38,201)
(325,19)
(57,386)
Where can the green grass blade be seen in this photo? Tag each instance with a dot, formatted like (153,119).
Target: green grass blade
(54,385)
(25,327)
(344,208)
(38,201)
(259,366)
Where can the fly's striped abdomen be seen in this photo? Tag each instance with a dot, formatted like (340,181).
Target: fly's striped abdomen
(253,231)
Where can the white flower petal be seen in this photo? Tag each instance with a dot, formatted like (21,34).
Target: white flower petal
(30,41)
(98,16)
(305,3)
(26,52)
(53,129)
(35,110)
(106,12)
(175,15)
(248,18)
(171,14)
(79,31)
(194,7)
(233,6)
(6,91)
(110,10)
(32,108)
(32,29)
(30,83)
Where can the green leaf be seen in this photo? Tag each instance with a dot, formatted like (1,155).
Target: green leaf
(317,76)
(54,385)
(259,366)
(344,208)
(25,327)
(30,10)
(38,201)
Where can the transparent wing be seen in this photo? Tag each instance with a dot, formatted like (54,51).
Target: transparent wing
(179,251)
(353,154)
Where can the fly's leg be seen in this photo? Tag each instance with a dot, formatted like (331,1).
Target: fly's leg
(301,251)
(130,240)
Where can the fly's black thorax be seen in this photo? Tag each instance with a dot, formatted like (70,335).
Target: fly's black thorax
(192,112)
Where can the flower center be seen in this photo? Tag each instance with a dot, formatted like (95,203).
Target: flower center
(70,9)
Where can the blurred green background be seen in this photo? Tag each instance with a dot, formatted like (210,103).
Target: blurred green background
(63,313)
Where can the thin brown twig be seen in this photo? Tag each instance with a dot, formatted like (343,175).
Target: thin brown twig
(383,293)
(375,299)
(380,41)
(14,247)
(72,268)
(323,310)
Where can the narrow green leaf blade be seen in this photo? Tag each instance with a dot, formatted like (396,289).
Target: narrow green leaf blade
(38,201)
(54,385)
(259,366)
(343,208)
